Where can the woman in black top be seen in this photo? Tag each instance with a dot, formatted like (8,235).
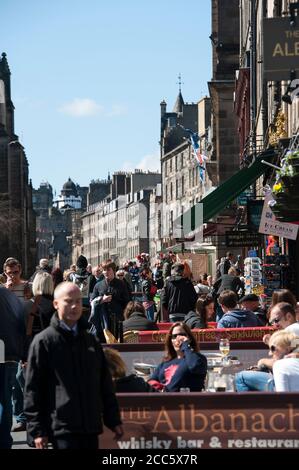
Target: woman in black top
(205,311)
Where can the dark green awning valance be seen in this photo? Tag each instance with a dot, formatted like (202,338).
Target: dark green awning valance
(217,200)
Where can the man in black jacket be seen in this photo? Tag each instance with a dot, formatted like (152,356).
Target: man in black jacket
(178,295)
(69,391)
(109,299)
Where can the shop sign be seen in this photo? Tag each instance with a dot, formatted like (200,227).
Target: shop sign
(270,226)
(240,239)
(254,213)
(281,48)
(242,199)
(201,421)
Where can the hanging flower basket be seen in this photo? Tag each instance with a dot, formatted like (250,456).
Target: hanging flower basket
(285,191)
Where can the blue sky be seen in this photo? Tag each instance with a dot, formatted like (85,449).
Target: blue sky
(88,78)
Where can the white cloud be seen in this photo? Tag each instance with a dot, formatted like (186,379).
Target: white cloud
(81,107)
(148,162)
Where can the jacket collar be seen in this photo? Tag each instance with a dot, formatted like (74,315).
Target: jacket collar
(82,324)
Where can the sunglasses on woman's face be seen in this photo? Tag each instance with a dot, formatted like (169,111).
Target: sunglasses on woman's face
(275,321)
(174,336)
(273,349)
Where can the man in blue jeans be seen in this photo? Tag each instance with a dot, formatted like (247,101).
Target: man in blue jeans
(12,337)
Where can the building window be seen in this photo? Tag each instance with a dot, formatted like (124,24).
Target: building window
(177,189)
(166,168)
(166,194)
(183,186)
(176,162)
(171,191)
(170,165)
(171,223)
(182,160)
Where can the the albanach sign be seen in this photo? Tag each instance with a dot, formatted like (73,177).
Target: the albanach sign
(207,421)
(281,48)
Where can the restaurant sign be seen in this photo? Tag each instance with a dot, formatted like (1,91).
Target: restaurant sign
(207,421)
(281,48)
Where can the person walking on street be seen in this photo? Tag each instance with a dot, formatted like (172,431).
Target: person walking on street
(69,391)
(13,337)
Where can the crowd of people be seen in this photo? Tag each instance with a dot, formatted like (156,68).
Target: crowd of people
(60,380)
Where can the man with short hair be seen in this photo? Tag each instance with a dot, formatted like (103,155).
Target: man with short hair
(233,316)
(109,299)
(283,315)
(178,296)
(13,270)
(252,302)
(69,390)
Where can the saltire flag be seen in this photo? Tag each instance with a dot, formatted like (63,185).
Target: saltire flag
(199,157)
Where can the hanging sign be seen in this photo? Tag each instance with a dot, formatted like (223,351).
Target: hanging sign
(270,226)
(281,48)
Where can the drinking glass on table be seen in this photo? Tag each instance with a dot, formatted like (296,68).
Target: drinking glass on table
(224,349)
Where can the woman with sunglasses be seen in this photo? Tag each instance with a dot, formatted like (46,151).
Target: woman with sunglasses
(283,347)
(204,312)
(183,366)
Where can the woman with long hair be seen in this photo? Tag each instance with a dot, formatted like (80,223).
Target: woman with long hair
(183,366)
(204,312)
(136,319)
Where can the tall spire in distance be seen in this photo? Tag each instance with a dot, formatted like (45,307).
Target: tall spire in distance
(4,67)
(179,104)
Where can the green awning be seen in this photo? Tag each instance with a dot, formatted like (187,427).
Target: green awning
(218,199)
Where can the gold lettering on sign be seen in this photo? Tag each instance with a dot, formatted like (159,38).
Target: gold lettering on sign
(163,418)
(286,49)
(292,415)
(292,34)
(218,423)
(258,423)
(183,419)
(195,417)
(242,418)
(277,50)
(273,418)
(132,414)
(287,53)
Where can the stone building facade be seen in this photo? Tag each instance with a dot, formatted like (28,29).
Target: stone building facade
(182,186)
(17,236)
(118,226)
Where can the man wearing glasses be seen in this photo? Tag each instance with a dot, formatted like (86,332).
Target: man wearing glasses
(283,316)
(13,270)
